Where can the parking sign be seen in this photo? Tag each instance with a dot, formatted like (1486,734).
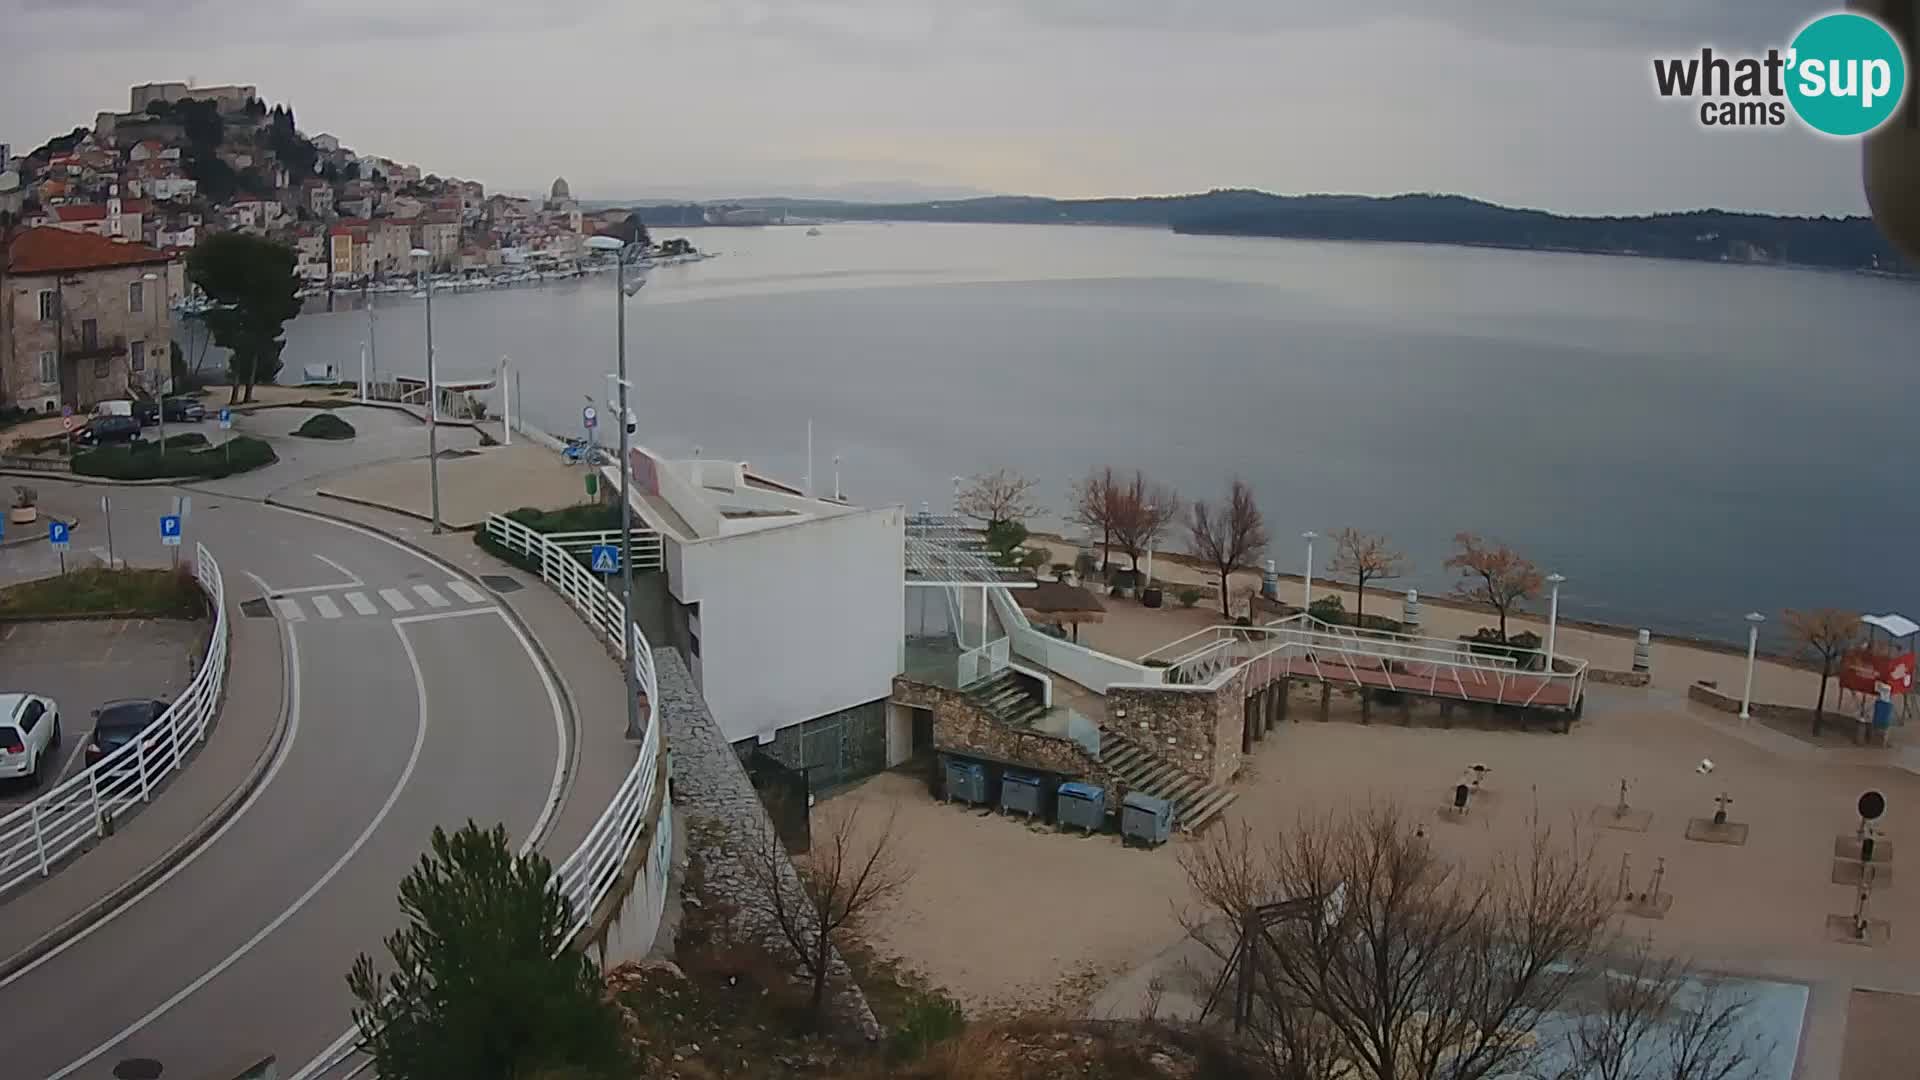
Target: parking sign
(170,530)
(226,419)
(57,534)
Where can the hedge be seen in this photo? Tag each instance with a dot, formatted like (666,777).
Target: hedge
(325,426)
(167,594)
(144,461)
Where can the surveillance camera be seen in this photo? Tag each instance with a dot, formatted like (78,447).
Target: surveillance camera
(1705,766)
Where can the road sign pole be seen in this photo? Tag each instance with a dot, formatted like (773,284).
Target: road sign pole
(106,510)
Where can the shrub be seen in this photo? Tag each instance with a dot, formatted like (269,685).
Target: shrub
(145,462)
(931,1017)
(1033,560)
(187,441)
(1189,597)
(1329,609)
(325,426)
(167,594)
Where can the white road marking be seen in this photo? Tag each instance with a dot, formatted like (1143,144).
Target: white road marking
(325,606)
(289,609)
(291,660)
(346,573)
(432,596)
(406,774)
(438,615)
(360,604)
(396,599)
(466,592)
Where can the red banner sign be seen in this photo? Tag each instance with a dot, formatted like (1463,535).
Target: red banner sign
(1863,671)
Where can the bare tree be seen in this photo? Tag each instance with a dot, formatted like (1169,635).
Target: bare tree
(1826,634)
(1142,512)
(1396,965)
(999,496)
(809,904)
(1230,537)
(1647,1017)
(1364,557)
(1091,502)
(1494,575)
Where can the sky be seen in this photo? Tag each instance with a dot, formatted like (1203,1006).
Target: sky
(1538,103)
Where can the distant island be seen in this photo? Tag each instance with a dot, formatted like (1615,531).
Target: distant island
(1839,243)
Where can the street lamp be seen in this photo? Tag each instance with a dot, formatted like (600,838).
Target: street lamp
(1754,619)
(622,293)
(423,257)
(1306,584)
(146,378)
(1149,522)
(1553,616)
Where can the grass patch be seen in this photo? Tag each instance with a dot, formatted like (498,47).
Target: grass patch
(164,594)
(325,426)
(144,461)
(580,517)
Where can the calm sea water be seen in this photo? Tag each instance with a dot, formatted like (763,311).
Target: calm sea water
(1685,442)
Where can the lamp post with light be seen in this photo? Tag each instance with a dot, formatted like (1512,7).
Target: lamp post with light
(1553,616)
(623,291)
(423,257)
(1306,583)
(1754,619)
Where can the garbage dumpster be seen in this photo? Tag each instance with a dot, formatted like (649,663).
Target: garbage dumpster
(1145,818)
(1083,806)
(967,782)
(1024,792)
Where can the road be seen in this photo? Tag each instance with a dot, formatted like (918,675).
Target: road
(412,702)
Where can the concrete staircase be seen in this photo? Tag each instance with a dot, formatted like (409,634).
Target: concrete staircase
(1195,802)
(1006,698)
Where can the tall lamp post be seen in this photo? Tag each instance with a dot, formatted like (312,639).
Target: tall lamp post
(1754,619)
(146,282)
(1149,582)
(423,257)
(1306,583)
(623,290)
(1553,616)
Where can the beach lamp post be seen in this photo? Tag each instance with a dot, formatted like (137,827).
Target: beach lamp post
(423,258)
(623,292)
(1754,619)
(1149,580)
(1306,582)
(1553,615)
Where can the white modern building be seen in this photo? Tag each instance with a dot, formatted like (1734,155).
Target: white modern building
(790,608)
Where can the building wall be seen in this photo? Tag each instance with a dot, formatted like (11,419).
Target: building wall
(1195,730)
(100,295)
(796,622)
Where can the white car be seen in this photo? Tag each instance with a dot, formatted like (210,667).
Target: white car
(29,734)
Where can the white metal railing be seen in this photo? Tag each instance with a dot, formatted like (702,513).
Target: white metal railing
(589,874)
(983,662)
(646,545)
(83,807)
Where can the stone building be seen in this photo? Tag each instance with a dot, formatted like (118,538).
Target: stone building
(83,318)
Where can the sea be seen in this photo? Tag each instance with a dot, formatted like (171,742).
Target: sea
(1685,442)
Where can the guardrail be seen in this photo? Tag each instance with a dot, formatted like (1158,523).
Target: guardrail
(83,807)
(590,873)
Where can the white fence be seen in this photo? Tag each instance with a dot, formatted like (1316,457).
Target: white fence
(646,545)
(82,808)
(589,874)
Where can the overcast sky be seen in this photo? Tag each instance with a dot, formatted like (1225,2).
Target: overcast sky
(1545,103)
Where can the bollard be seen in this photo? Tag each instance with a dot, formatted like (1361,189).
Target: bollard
(1270,582)
(1410,611)
(1643,652)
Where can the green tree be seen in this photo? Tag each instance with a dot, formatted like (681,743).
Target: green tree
(252,280)
(484,984)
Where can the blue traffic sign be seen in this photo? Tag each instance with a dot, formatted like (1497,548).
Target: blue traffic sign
(170,529)
(588,418)
(57,533)
(226,419)
(606,559)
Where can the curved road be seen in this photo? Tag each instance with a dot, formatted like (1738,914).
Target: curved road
(413,702)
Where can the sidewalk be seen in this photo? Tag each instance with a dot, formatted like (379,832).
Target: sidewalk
(192,803)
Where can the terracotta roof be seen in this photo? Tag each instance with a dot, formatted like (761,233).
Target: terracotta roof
(51,250)
(80,213)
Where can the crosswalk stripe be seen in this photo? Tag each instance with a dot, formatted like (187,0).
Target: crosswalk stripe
(326,607)
(466,592)
(396,599)
(290,609)
(432,596)
(361,605)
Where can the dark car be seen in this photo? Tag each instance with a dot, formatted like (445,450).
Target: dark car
(184,410)
(147,411)
(102,430)
(118,723)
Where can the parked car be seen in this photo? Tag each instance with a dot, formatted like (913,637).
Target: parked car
(102,430)
(118,723)
(147,411)
(29,734)
(184,410)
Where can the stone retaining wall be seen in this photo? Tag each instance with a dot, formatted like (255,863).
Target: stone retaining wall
(1708,694)
(1620,678)
(961,726)
(1196,731)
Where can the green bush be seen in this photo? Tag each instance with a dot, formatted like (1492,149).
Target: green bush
(1329,609)
(580,517)
(931,1018)
(325,426)
(187,441)
(1189,597)
(167,594)
(144,461)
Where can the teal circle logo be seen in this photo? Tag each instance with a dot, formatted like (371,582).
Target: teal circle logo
(1846,74)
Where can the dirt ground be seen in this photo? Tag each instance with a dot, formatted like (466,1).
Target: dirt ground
(1002,913)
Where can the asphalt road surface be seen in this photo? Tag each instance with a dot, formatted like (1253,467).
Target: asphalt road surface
(413,702)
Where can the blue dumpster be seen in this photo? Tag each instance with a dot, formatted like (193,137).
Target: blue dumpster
(1082,806)
(1145,818)
(1025,793)
(967,782)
